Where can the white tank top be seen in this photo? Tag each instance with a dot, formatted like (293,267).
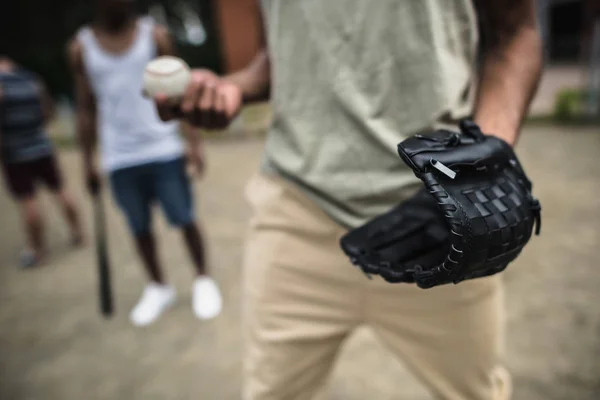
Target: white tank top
(130,131)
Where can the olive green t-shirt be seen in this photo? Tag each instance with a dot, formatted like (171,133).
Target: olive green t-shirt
(353,78)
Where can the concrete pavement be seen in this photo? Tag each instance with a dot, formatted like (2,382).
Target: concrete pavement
(55,346)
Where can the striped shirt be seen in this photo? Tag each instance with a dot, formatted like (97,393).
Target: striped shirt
(21,118)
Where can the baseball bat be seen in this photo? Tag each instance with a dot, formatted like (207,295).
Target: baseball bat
(103,263)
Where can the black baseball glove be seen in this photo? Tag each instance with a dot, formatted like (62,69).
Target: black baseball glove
(472,218)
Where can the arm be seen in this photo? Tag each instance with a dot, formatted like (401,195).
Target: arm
(165,46)
(85,105)
(48,109)
(164,42)
(511,65)
(255,80)
(212,102)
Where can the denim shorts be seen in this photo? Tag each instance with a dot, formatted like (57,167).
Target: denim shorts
(137,188)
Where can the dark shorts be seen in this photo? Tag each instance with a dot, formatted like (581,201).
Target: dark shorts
(137,188)
(21,178)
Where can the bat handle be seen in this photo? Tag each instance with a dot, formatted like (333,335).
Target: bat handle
(104,279)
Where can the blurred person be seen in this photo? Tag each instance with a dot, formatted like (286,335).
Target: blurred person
(143,157)
(348,80)
(28,156)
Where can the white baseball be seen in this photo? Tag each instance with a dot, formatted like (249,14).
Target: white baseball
(166,75)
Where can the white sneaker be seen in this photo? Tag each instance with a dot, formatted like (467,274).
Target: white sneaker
(206,299)
(154,301)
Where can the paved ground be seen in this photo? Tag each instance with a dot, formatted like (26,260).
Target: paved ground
(54,345)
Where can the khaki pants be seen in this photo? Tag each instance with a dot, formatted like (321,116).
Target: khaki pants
(303,297)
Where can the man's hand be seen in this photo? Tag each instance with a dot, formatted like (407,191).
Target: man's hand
(209,102)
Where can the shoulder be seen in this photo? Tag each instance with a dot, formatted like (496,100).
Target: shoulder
(75,44)
(74,51)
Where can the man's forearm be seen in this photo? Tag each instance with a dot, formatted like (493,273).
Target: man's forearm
(255,79)
(511,70)
(86,131)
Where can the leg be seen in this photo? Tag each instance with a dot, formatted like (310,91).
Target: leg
(34,227)
(20,181)
(175,195)
(195,245)
(71,214)
(49,172)
(157,296)
(146,248)
(300,300)
(451,337)
(132,188)
(206,299)
(133,193)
